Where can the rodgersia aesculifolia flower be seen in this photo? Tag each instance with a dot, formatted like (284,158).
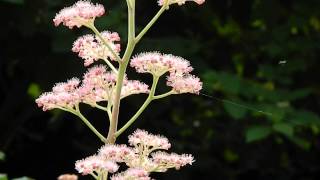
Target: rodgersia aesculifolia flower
(143,157)
(107,85)
(82,13)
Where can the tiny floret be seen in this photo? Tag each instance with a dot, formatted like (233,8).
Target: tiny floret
(82,13)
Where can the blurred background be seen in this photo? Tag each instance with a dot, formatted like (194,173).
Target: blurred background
(256,118)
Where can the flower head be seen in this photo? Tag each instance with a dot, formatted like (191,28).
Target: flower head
(68,177)
(118,153)
(134,87)
(91,48)
(139,158)
(158,64)
(184,83)
(165,160)
(63,95)
(132,174)
(95,164)
(179,2)
(144,139)
(81,13)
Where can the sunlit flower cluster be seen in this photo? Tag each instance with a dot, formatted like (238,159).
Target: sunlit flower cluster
(82,13)
(179,2)
(91,48)
(132,174)
(142,158)
(98,85)
(185,83)
(95,164)
(68,177)
(158,64)
(179,70)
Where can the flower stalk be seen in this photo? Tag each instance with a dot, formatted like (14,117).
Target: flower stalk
(100,85)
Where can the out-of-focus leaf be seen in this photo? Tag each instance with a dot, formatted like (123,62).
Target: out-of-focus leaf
(222,81)
(234,111)
(34,90)
(2,156)
(305,118)
(256,133)
(284,128)
(19,2)
(303,143)
(23,178)
(3,177)
(230,155)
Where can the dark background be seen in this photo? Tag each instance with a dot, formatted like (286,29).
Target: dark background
(258,59)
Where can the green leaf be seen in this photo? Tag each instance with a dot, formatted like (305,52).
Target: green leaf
(303,143)
(2,156)
(226,82)
(3,177)
(19,2)
(234,111)
(306,117)
(284,128)
(34,90)
(256,133)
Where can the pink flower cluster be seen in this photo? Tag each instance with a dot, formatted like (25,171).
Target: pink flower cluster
(179,70)
(158,64)
(179,2)
(142,159)
(143,139)
(96,164)
(91,48)
(81,13)
(185,84)
(98,85)
(132,174)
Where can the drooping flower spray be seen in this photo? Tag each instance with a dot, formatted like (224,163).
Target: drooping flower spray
(109,83)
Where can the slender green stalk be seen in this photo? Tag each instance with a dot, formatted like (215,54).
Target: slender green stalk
(86,122)
(152,21)
(164,95)
(95,30)
(111,66)
(142,108)
(101,107)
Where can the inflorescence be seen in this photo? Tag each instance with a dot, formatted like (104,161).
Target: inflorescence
(143,157)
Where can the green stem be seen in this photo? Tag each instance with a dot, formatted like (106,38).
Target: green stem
(86,121)
(142,108)
(164,95)
(111,66)
(153,20)
(101,107)
(95,30)
(122,69)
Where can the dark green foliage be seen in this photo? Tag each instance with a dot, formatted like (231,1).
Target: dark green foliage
(257,117)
